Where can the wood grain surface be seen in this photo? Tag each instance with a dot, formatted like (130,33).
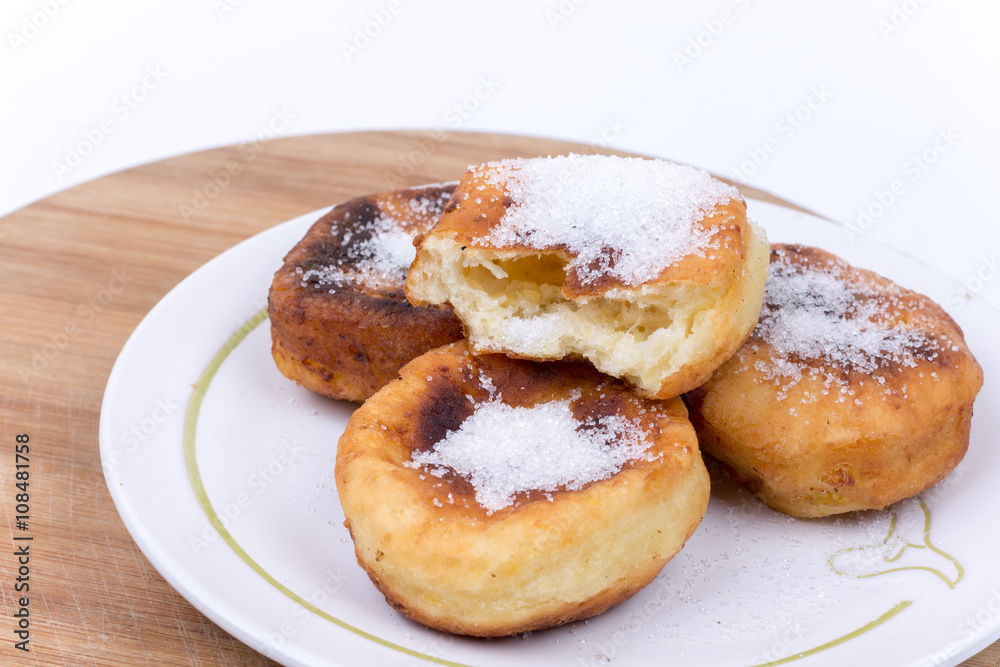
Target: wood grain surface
(78,271)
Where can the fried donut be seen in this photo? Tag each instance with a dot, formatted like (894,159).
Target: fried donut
(648,269)
(852,393)
(489,496)
(340,322)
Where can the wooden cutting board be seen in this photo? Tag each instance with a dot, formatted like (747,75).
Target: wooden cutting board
(78,271)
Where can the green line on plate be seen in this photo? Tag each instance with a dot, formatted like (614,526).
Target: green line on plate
(190,433)
(840,640)
(928,544)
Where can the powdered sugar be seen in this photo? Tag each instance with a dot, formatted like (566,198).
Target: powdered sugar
(378,254)
(815,313)
(626,217)
(380,261)
(503,450)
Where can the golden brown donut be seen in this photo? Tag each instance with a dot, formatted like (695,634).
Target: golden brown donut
(509,535)
(340,322)
(648,269)
(852,393)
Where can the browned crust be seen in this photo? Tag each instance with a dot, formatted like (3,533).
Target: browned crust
(578,611)
(902,307)
(461,547)
(467,224)
(349,343)
(877,443)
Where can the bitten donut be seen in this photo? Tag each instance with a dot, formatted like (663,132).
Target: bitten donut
(340,322)
(488,496)
(852,393)
(648,269)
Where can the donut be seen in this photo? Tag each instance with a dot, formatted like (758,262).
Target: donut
(851,393)
(340,322)
(647,269)
(489,496)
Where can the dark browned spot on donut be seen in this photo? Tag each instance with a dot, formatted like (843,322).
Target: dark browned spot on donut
(593,406)
(933,350)
(524,383)
(596,276)
(359,211)
(387,305)
(608,401)
(356,217)
(445,408)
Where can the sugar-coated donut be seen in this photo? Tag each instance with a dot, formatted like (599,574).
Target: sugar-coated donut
(488,496)
(340,322)
(648,269)
(852,393)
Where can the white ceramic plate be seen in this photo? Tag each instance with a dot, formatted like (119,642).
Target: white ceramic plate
(222,471)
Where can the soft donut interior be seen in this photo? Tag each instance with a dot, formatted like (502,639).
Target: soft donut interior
(515,302)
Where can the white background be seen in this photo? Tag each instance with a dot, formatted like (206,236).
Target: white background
(884,106)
